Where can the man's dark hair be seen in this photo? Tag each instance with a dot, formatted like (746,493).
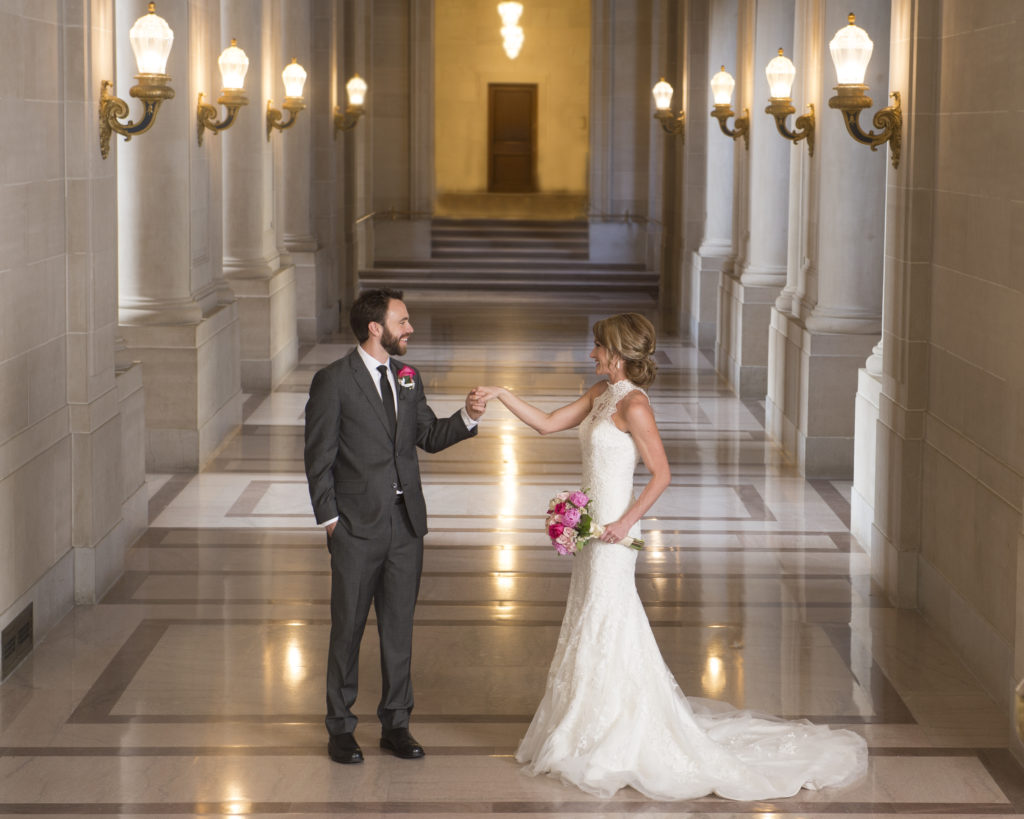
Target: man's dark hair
(372,305)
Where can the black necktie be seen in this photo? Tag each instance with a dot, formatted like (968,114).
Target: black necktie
(387,396)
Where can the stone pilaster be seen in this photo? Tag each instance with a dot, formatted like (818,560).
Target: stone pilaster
(834,309)
(749,289)
(263,284)
(177,318)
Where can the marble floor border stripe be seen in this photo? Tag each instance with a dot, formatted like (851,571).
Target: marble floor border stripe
(499,573)
(166,494)
(839,505)
(596,807)
(305,601)
(317,750)
(97,705)
(103,695)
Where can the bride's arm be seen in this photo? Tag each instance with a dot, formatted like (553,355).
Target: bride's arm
(639,417)
(544,422)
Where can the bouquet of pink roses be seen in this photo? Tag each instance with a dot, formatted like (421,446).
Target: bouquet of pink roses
(570,523)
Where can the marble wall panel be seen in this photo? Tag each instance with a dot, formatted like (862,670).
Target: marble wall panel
(47,386)
(45,203)
(40,498)
(40,40)
(14,406)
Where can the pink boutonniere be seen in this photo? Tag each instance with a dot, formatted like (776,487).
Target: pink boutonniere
(407,377)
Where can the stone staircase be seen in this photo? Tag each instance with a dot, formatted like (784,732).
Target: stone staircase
(529,257)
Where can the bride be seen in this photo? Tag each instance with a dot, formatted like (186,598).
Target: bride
(612,714)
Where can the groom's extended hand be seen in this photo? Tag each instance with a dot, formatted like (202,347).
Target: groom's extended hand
(476,405)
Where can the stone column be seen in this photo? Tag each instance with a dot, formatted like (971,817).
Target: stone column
(403,114)
(321,90)
(173,319)
(845,323)
(315,314)
(620,97)
(712,245)
(886,504)
(750,288)
(264,286)
(357,230)
(783,399)
(830,317)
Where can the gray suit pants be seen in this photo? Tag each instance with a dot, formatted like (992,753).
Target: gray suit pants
(384,569)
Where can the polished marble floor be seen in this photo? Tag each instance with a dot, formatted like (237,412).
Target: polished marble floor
(196,686)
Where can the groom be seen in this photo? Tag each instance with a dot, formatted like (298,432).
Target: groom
(365,417)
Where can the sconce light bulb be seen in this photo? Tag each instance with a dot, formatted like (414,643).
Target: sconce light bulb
(356,90)
(294,76)
(851,52)
(151,40)
(780,72)
(662,93)
(233,64)
(510,13)
(512,38)
(722,85)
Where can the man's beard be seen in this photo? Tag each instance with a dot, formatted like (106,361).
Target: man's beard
(393,345)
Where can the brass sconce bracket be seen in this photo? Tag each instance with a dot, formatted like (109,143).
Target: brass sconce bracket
(206,114)
(782,107)
(346,121)
(741,125)
(671,124)
(292,105)
(152,89)
(851,100)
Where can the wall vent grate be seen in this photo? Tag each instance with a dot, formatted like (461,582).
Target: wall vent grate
(16,640)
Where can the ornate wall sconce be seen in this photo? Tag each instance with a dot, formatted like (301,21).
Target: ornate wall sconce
(851,52)
(356,90)
(151,40)
(233,64)
(781,72)
(294,76)
(670,123)
(722,85)
(511,32)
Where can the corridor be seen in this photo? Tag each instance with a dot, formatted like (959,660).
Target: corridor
(196,685)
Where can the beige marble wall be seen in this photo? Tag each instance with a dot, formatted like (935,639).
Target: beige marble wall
(949,457)
(71,470)
(555,56)
(973,466)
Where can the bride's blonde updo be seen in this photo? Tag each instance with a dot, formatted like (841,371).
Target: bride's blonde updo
(630,337)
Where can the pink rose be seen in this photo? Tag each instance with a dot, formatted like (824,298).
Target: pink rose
(563,550)
(571,516)
(562,496)
(567,538)
(407,372)
(559,508)
(555,531)
(579,499)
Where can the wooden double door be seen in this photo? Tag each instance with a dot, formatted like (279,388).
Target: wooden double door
(512,138)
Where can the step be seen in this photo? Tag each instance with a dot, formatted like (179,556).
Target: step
(486,262)
(510,284)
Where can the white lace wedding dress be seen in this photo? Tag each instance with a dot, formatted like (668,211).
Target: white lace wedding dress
(612,714)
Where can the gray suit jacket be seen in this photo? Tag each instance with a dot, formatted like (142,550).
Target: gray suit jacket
(349,449)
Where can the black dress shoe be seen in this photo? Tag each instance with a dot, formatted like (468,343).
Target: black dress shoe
(401,743)
(343,748)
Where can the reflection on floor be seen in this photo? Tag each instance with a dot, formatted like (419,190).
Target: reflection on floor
(196,686)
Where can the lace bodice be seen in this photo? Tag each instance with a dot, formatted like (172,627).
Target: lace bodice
(609,456)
